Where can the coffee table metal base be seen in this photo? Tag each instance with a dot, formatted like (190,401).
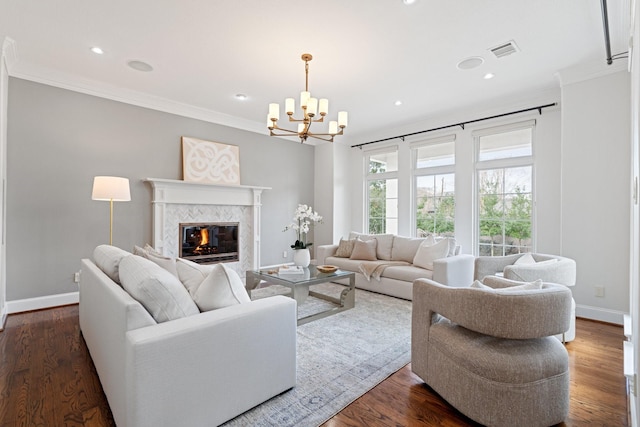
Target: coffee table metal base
(300,292)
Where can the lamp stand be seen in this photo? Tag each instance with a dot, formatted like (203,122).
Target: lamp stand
(110,222)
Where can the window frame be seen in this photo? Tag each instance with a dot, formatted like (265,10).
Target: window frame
(505,163)
(417,172)
(369,177)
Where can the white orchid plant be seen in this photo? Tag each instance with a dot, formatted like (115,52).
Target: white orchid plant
(303,220)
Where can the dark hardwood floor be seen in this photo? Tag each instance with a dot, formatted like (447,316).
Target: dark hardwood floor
(47,378)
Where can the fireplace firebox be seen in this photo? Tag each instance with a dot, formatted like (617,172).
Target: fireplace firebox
(209,242)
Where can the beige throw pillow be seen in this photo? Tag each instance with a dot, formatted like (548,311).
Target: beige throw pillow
(345,248)
(365,251)
(479,285)
(426,254)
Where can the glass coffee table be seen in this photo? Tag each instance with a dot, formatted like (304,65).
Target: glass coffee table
(300,283)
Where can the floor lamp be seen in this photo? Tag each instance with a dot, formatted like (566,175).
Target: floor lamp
(111,189)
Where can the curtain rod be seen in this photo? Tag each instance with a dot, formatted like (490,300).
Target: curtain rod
(461,124)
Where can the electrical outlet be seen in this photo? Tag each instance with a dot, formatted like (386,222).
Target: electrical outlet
(599,291)
(284,254)
(76,277)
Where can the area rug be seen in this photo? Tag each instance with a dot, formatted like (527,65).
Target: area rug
(339,358)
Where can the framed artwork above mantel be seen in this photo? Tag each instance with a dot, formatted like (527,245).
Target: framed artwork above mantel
(209,162)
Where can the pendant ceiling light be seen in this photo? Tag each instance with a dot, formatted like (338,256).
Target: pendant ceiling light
(311,109)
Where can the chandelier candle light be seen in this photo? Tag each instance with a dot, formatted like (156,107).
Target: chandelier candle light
(311,108)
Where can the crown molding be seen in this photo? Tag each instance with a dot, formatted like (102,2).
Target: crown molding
(588,71)
(61,80)
(9,53)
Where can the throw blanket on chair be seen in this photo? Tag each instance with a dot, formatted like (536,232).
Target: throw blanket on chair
(375,268)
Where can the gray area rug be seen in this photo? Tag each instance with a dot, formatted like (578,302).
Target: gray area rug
(339,358)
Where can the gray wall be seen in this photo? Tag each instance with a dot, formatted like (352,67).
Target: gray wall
(58,140)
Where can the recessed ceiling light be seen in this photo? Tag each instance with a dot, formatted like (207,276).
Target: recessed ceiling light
(469,63)
(397,103)
(489,76)
(140,66)
(241,97)
(408,2)
(97,50)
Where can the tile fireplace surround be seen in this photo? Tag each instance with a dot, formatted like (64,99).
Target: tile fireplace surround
(176,202)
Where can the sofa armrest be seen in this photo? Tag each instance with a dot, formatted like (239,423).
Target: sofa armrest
(208,368)
(454,271)
(325,251)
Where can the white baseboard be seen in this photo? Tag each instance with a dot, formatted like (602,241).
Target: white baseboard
(39,303)
(600,314)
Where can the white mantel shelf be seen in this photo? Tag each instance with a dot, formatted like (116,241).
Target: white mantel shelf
(194,193)
(171,196)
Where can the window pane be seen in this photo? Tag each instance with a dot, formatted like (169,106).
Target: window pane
(506,145)
(442,154)
(383,162)
(504,211)
(383,206)
(435,205)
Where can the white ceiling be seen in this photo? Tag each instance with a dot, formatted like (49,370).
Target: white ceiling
(367,53)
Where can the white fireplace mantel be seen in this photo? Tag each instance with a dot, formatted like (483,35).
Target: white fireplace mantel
(173,195)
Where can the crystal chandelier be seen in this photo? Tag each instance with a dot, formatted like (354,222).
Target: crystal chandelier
(311,108)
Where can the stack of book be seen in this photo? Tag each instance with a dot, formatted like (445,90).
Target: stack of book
(290,269)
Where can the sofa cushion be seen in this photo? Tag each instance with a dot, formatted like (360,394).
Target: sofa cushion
(345,248)
(212,286)
(364,250)
(159,291)
(344,263)
(426,254)
(108,258)
(405,248)
(154,256)
(385,243)
(407,273)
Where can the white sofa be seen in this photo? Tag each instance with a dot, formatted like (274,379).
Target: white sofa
(203,369)
(397,280)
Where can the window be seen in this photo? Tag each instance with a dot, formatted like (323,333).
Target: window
(505,190)
(382,191)
(434,187)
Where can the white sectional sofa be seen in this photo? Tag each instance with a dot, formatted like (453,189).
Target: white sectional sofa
(200,369)
(396,256)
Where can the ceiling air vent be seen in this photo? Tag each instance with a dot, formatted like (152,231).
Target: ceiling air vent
(505,49)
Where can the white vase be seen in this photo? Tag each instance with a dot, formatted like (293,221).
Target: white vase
(301,257)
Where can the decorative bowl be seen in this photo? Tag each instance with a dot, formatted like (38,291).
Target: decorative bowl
(327,268)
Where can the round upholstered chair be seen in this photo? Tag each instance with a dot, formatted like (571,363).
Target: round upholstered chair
(491,353)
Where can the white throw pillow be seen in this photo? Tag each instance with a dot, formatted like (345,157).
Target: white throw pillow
(192,274)
(159,291)
(479,285)
(426,254)
(151,254)
(221,288)
(212,286)
(525,259)
(108,258)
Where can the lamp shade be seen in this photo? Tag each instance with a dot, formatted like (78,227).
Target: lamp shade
(111,188)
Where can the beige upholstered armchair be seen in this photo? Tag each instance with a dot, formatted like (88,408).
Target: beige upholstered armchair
(490,352)
(548,268)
